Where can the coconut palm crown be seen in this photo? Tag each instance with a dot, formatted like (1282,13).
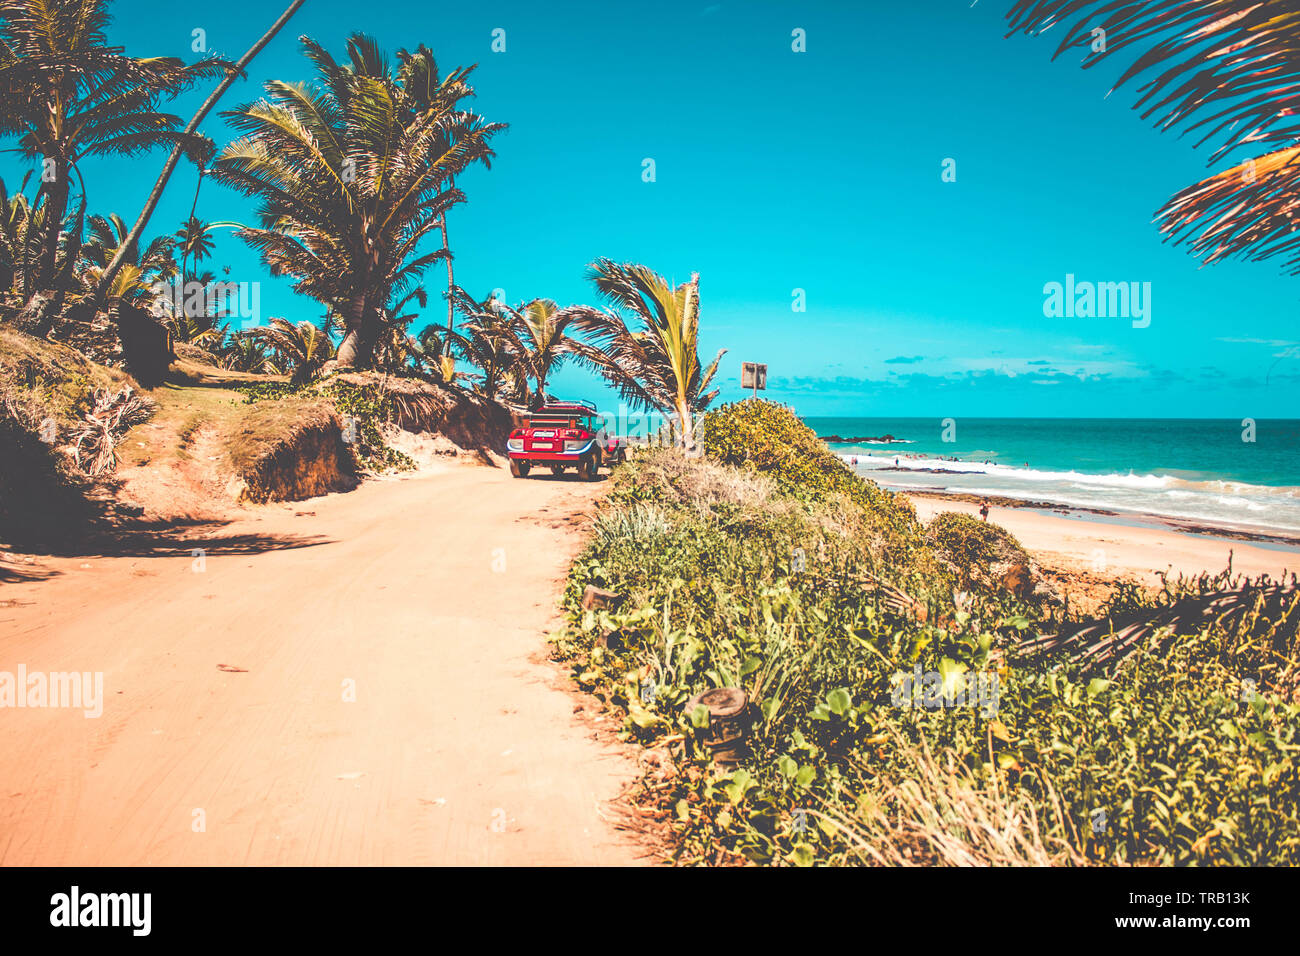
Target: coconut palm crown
(65,95)
(352,176)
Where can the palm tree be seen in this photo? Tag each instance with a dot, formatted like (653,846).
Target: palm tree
(541,325)
(487,340)
(195,317)
(65,94)
(1228,70)
(18,222)
(432,352)
(395,351)
(193,241)
(301,349)
(654,362)
(352,176)
(243,353)
(137,282)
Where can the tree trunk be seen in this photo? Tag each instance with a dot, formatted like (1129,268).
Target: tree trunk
(63,280)
(359,339)
(185,253)
(56,207)
(451,277)
(685,424)
(152,202)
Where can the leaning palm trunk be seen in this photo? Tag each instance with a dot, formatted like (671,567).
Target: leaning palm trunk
(1105,643)
(106,281)
(451,274)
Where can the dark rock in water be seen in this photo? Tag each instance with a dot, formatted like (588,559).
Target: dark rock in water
(859,439)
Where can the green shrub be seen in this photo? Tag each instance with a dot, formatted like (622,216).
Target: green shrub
(980,554)
(769,439)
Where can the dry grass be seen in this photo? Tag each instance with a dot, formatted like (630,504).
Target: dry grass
(266,427)
(52,379)
(702,483)
(194,366)
(710,488)
(943,816)
(45,390)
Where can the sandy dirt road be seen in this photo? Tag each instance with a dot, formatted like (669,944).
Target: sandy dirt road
(225,691)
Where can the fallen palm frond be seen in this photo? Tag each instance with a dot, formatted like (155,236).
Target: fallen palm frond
(113,415)
(889,597)
(1105,643)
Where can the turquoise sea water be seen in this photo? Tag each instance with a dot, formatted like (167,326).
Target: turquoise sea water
(1189,469)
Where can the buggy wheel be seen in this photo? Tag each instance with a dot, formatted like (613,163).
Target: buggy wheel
(589,468)
(557,470)
(519,468)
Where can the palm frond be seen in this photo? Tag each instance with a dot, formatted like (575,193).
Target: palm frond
(1227,71)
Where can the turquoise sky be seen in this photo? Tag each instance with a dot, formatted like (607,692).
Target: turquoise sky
(819,171)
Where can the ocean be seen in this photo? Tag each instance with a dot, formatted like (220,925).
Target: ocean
(1191,470)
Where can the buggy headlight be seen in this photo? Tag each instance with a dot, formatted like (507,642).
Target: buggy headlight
(575,444)
(514,444)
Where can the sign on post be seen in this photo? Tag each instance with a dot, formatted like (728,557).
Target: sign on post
(753,375)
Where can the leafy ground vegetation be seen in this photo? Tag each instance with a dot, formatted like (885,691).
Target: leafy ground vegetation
(893,721)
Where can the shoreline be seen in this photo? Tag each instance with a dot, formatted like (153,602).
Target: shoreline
(1280,542)
(1095,549)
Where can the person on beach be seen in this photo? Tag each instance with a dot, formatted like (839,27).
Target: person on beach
(984,511)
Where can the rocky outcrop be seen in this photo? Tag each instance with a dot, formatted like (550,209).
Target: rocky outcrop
(860,439)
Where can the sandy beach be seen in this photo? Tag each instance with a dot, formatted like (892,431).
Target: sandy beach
(1102,547)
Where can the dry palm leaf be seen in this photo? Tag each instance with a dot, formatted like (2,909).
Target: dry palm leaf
(114,414)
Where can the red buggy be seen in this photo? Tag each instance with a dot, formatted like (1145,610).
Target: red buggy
(564,435)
